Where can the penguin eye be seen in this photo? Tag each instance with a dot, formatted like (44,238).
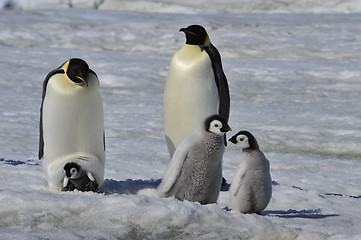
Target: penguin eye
(214,126)
(242,138)
(73,170)
(217,124)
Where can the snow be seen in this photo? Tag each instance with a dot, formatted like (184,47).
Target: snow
(294,77)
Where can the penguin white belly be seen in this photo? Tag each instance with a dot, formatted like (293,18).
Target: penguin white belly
(190,94)
(73,123)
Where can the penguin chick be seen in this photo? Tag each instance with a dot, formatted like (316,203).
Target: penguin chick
(251,188)
(77,178)
(196,87)
(195,171)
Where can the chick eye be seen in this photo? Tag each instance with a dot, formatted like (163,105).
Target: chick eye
(241,139)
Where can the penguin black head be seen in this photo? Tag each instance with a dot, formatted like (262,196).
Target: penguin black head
(245,140)
(77,70)
(72,170)
(195,35)
(216,124)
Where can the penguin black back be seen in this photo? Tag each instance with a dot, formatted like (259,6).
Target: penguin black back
(221,80)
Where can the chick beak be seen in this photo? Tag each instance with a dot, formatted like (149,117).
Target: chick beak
(226,128)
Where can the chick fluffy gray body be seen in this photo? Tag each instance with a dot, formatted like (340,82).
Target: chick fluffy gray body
(195,171)
(255,184)
(201,176)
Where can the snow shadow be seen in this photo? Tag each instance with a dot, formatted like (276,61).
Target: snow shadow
(292,213)
(128,186)
(342,195)
(17,162)
(225,187)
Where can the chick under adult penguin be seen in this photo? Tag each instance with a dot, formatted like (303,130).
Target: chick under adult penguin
(251,188)
(71,122)
(195,171)
(196,87)
(77,178)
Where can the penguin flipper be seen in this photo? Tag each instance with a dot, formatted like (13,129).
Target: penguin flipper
(90,176)
(221,81)
(238,179)
(172,173)
(176,164)
(65,181)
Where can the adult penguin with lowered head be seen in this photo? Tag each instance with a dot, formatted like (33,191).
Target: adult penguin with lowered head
(71,123)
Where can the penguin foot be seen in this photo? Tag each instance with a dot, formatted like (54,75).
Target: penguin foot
(91,186)
(68,187)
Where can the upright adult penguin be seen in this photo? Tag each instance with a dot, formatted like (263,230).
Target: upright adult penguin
(71,123)
(196,87)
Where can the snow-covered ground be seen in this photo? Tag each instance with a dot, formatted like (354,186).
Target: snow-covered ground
(295,81)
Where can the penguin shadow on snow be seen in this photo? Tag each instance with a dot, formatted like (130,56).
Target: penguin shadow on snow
(128,186)
(292,213)
(17,162)
(226,187)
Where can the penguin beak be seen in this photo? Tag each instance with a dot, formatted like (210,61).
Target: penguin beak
(233,140)
(83,80)
(185,30)
(226,128)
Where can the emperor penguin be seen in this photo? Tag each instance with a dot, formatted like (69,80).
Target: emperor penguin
(196,87)
(251,188)
(195,171)
(71,123)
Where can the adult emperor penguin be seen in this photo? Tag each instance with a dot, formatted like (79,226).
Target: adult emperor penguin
(196,87)
(71,123)
(251,188)
(195,171)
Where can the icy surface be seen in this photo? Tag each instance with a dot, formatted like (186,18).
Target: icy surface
(295,82)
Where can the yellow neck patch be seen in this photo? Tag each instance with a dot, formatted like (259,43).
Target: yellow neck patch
(67,66)
(207,42)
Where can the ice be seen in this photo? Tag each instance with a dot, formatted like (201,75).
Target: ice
(294,76)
